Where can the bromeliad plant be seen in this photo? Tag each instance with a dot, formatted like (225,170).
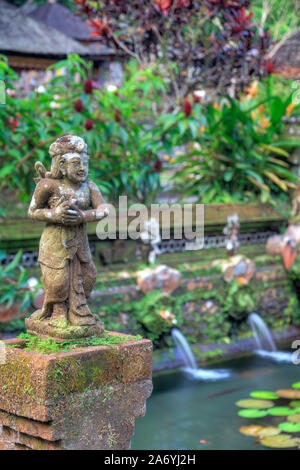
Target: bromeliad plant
(236,152)
(119,128)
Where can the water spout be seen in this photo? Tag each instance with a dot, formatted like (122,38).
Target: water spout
(182,344)
(190,361)
(261,332)
(264,341)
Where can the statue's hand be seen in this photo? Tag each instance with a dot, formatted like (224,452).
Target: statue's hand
(101,213)
(73,215)
(60,211)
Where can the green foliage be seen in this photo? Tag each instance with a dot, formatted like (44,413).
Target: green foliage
(240,300)
(234,302)
(289,427)
(49,346)
(154,313)
(277,419)
(281,18)
(236,151)
(13,283)
(264,394)
(120,128)
(17,324)
(67,3)
(252,413)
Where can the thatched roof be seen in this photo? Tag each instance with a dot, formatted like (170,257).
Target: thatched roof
(60,18)
(21,34)
(287,57)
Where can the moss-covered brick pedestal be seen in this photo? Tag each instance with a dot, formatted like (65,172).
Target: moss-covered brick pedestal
(86,398)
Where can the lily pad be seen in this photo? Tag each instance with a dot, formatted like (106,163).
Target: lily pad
(264,395)
(288,393)
(257,404)
(252,413)
(260,431)
(296,385)
(251,430)
(281,441)
(295,403)
(281,411)
(289,427)
(294,418)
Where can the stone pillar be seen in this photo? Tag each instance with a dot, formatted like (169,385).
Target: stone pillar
(87,398)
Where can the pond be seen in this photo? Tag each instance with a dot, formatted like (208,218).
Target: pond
(187,415)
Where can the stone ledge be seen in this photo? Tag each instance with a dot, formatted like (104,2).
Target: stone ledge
(32,383)
(44,397)
(9,436)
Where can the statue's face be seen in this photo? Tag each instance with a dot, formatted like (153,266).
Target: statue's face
(75,167)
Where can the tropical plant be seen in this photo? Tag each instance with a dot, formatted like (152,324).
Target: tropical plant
(119,128)
(282,18)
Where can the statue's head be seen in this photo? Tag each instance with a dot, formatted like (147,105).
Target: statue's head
(69,159)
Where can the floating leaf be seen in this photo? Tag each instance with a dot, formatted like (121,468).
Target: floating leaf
(281,411)
(252,413)
(251,430)
(296,385)
(257,404)
(288,393)
(294,418)
(281,441)
(264,394)
(289,427)
(295,403)
(260,431)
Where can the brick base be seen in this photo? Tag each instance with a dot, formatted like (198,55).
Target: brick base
(85,399)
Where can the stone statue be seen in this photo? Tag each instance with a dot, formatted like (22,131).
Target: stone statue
(66,200)
(288,244)
(232,234)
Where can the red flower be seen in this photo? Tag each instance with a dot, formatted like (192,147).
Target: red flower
(88,86)
(187,108)
(89,124)
(158,166)
(100,155)
(78,106)
(163,4)
(13,123)
(49,113)
(118,115)
(270,67)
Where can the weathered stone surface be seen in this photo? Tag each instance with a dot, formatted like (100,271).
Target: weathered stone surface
(236,267)
(45,330)
(161,277)
(66,200)
(44,397)
(28,426)
(9,435)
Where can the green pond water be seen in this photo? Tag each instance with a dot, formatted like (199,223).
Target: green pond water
(182,413)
